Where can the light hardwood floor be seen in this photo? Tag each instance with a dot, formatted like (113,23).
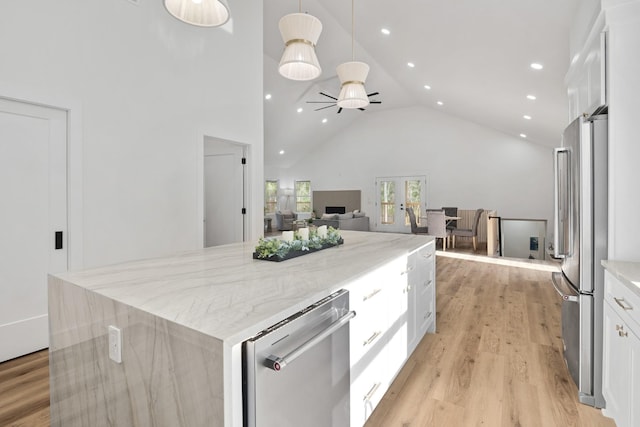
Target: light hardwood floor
(495,360)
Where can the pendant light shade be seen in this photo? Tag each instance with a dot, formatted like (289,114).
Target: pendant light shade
(203,13)
(300,33)
(352,76)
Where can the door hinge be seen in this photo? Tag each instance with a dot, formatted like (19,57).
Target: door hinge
(244,211)
(244,160)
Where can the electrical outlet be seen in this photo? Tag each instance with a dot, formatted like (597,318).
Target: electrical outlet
(115,344)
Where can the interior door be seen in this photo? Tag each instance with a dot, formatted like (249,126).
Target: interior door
(223,194)
(395,194)
(33,141)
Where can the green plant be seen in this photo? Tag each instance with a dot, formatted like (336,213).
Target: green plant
(271,247)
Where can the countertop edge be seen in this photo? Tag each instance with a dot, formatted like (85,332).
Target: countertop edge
(627,272)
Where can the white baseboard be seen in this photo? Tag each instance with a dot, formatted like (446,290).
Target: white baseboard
(24,337)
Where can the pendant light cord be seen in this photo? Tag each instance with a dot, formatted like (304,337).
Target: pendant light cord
(353,25)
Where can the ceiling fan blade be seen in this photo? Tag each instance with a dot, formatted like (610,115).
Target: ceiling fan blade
(339,110)
(361,109)
(375,102)
(328,96)
(373,94)
(322,108)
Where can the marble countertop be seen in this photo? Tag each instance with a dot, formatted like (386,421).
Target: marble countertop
(627,272)
(224,293)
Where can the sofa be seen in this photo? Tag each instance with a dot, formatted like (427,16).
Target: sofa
(355,220)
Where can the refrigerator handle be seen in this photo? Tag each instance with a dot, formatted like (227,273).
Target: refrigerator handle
(559,250)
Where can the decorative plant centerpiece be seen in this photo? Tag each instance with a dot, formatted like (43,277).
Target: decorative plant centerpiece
(294,244)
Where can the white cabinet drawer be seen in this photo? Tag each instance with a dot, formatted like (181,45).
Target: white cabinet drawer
(625,303)
(367,389)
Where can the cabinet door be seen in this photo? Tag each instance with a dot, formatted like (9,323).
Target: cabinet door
(616,364)
(634,374)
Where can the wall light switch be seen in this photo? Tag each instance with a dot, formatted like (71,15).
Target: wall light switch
(115,344)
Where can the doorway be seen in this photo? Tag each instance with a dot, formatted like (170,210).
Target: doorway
(393,196)
(33,190)
(224,192)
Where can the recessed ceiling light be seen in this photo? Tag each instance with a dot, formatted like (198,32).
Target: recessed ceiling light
(522,135)
(281,151)
(410,64)
(536,66)
(324,120)
(531,97)
(299,110)
(267,96)
(440,103)
(427,87)
(385,31)
(526,117)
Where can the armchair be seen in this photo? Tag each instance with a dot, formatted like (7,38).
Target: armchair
(284,220)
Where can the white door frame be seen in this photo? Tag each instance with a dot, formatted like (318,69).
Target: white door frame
(70,221)
(75,184)
(220,149)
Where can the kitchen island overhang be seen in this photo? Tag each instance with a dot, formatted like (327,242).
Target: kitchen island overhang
(183,319)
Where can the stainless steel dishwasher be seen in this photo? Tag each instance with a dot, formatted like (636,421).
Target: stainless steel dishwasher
(296,372)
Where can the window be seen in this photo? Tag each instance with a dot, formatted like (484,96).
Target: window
(270,196)
(303,196)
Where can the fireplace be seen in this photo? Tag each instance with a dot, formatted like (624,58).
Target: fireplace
(335,209)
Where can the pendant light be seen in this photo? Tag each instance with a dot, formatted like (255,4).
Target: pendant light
(300,33)
(352,76)
(202,13)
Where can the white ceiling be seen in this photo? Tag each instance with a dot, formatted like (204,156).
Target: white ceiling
(475,55)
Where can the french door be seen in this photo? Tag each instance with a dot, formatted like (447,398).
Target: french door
(394,195)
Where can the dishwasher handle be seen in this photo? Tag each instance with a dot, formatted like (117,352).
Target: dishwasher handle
(278,363)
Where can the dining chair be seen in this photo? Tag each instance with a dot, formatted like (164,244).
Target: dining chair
(437,225)
(451,211)
(414,224)
(465,232)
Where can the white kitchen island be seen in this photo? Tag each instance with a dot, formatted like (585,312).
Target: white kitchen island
(183,320)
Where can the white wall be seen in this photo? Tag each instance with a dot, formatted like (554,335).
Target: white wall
(467,165)
(143,90)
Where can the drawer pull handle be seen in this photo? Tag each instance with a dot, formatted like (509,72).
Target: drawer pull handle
(428,256)
(623,334)
(371,295)
(371,392)
(406,289)
(407,271)
(621,301)
(427,315)
(619,327)
(427,283)
(371,338)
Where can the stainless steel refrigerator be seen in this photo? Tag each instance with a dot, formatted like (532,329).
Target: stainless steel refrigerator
(580,240)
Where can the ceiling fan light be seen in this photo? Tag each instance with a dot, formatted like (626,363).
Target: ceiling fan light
(352,76)
(300,33)
(206,13)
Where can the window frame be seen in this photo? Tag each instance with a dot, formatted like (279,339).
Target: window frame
(297,197)
(274,202)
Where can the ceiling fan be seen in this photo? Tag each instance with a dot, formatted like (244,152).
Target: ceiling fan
(335,100)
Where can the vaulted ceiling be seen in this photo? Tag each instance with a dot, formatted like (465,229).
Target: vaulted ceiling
(475,56)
